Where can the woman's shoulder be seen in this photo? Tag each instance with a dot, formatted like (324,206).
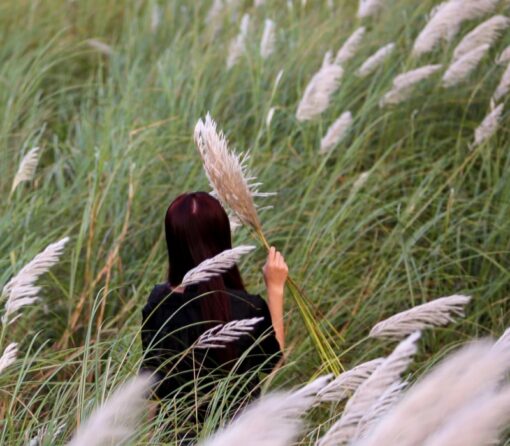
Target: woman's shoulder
(158,296)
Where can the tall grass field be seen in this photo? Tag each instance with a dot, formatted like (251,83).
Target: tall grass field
(404,200)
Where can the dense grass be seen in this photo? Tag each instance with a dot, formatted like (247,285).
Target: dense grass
(432,219)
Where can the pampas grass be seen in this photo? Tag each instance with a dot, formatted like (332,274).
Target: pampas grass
(446,20)
(488,126)
(456,382)
(27,167)
(222,334)
(269,117)
(460,70)
(369,8)
(347,382)
(479,423)
(336,132)
(21,289)
(431,314)
(375,60)
(318,92)
(115,420)
(360,182)
(367,394)
(404,84)
(504,85)
(350,47)
(216,265)
(484,34)
(8,356)
(267,45)
(504,56)
(227,173)
(237,46)
(100,46)
(272,420)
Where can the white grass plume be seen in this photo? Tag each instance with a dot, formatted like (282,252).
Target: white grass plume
(222,334)
(480,423)
(214,18)
(350,47)
(389,398)
(504,340)
(460,70)
(268,42)
(21,289)
(234,223)
(8,356)
(215,265)
(504,57)
(404,84)
(360,182)
(504,85)
(100,46)
(386,375)
(27,167)
(155,17)
(115,420)
(272,420)
(446,20)
(318,92)
(269,117)
(455,382)
(375,60)
(484,34)
(431,314)
(227,173)
(489,125)
(369,8)
(327,59)
(347,382)
(237,46)
(336,132)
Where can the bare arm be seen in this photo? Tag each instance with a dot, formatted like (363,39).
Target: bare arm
(275,274)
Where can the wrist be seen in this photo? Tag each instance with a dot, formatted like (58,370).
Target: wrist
(275,287)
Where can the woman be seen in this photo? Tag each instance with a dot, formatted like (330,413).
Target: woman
(197,228)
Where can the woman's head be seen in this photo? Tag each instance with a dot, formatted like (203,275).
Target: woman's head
(197,228)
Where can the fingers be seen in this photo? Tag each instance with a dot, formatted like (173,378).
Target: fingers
(272,254)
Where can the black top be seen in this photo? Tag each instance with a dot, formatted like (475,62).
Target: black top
(172,322)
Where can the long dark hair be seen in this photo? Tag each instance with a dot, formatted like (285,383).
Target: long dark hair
(197,228)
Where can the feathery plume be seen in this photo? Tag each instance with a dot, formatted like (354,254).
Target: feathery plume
(386,375)
(375,60)
(350,47)
(222,334)
(267,45)
(336,132)
(272,420)
(479,423)
(8,356)
(20,290)
(238,44)
(214,16)
(455,382)
(445,22)
(488,126)
(404,84)
(504,340)
(115,421)
(460,70)
(504,85)
(390,397)
(347,382)
(27,167)
(327,59)
(504,57)
(216,265)
(270,115)
(369,8)
(431,314)
(234,222)
(228,173)
(360,182)
(484,34)
(100,47)
(318,92)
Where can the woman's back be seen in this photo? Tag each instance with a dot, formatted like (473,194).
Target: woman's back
(173,321)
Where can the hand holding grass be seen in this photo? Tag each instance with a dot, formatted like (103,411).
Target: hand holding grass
(275,275)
